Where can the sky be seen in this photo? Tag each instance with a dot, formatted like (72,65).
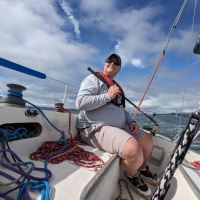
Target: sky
(62,38)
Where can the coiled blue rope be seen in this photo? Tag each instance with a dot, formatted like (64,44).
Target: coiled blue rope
(62,139)
(42,186)
(11,134)
(28,180)
(18,93)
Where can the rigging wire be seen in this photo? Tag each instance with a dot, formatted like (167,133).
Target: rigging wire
(187,66)
(62,82)
(161,56)
(66,86)
(173,27)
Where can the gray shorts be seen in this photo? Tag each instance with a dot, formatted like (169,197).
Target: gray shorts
(108,138)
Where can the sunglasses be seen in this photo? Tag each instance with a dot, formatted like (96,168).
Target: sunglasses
(115,62)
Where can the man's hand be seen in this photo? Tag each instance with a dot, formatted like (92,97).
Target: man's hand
(113,91)
(134,127)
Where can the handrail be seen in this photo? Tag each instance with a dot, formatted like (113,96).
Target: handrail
(20,68)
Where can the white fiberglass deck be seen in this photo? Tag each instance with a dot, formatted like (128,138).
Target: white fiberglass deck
(73,182)
(68,180)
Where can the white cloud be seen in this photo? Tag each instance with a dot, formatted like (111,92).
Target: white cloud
(166,91)
(31,34)
(68,11)
(137,63)
(137,33)
(96,6)
(32,39)
(134,30)
(139,36)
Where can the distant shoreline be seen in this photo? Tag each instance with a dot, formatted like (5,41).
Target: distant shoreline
(172,113)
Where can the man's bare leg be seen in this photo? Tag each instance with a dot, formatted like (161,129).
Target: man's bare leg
(132,157)
(146,142)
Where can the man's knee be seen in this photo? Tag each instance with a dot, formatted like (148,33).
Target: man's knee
(132,150)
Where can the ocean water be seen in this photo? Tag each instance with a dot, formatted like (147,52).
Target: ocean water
(169,126)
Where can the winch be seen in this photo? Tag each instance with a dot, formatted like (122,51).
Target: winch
(14,96)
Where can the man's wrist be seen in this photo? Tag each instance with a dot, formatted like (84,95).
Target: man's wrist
(107,97)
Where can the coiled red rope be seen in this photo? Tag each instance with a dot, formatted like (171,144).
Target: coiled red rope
(73,153)
(196,164)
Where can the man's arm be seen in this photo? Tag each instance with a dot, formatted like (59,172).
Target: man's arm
(132,123)
(88,97)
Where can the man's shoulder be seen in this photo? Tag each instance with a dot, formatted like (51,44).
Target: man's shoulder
(91,77)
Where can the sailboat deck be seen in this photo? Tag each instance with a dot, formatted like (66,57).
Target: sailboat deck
(68,179)
(74,182)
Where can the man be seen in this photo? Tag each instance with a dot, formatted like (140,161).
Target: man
(105,124)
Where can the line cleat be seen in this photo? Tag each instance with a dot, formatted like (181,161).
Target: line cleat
(148,176)
(139,185)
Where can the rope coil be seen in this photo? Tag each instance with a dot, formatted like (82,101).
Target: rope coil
(74,153)
(26,180)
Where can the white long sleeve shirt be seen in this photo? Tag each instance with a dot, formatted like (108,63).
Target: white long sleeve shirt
(95,105)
